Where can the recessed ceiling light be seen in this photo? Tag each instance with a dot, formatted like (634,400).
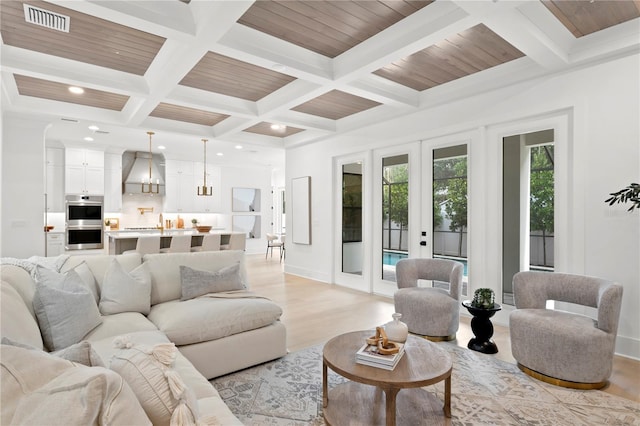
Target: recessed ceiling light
(162,147)
(94,128)
(88,139)
(219,154)
(76,90)
(238,146)
(277,127)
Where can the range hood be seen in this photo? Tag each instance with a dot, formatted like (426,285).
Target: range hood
(135,167)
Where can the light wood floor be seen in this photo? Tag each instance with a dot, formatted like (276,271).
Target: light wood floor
(314,312)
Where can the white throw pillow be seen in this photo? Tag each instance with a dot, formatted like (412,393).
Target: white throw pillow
(42,389)
(124,291)
(88,279)
(80,353)
(196,283)
(65,308)
(158,387)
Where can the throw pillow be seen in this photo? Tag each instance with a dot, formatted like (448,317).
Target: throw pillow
(125,292)
(80,353)
(65,309)
(88,279)
(197,283)
(56,391)
(159,388)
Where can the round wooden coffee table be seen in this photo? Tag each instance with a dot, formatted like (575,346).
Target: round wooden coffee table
(423,364)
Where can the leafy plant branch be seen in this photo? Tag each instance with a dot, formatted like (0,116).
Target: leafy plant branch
(629,194)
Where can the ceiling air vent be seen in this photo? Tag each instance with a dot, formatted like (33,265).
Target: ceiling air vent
(46,18)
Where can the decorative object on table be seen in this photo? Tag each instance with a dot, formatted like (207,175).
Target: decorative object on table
(397,331)
(629,194)
(385,347)
(203,228)
(483,298)
(379,352)
(48,228)
(481,322)
(194,222)
(179,223)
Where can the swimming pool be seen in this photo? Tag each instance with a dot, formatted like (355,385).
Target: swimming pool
(390,258)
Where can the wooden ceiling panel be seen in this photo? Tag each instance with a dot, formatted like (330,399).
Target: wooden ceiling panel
(90,39)
(264,128)
(188,115)
(335,105)
(586,17)
(329,28)
(460,55)
(221,74)
(45,89)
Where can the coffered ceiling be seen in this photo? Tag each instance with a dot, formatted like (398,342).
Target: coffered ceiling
(267,75)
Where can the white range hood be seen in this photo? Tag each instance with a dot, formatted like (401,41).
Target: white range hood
(139,173)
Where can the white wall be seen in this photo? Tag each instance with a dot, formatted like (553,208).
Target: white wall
(247,177)
(601,106)
(22,231)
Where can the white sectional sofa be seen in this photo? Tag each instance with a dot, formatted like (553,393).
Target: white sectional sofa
(215,333)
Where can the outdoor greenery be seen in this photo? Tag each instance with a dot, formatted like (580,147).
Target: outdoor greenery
(395,198)
(450,189)
(630,193)
(541,203)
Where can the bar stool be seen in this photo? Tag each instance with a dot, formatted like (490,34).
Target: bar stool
(146,245)
(179,244)
(210,242)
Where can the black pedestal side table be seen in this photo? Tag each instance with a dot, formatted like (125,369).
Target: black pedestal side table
(482,328)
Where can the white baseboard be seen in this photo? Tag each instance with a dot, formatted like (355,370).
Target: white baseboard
(307,273)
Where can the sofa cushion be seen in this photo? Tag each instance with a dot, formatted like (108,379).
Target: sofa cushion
(62,390)
(165,270)
(159,388)
(209,318)
(196,283)
(125,291)
(16,321)
(117,324)
(65,308)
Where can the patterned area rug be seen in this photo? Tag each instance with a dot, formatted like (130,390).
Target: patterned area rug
(485,391)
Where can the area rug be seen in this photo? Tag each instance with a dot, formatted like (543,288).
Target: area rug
(485,391)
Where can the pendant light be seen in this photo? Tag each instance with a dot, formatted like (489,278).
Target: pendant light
(205,190)
(147,187)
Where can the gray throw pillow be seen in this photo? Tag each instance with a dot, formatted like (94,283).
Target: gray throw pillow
(65,308)
(124,291)
(80,353)
(197,283)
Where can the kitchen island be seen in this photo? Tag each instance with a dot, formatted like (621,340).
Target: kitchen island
(121,241)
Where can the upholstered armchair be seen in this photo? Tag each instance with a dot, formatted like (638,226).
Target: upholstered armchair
(433,311)
(559,347)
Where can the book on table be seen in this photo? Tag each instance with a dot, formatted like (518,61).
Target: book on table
(368,355)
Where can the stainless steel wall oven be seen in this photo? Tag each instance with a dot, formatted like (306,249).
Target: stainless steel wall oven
(84,219)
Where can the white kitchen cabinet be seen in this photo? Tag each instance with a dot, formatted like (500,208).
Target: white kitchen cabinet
(55,243)
(112,183)
(179,187)
(182,181)
(55,179)
(84,171)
